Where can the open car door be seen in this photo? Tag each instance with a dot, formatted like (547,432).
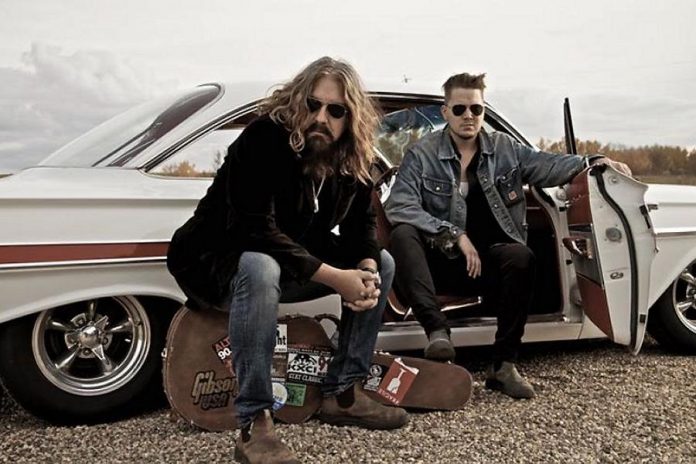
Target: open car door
(612,243)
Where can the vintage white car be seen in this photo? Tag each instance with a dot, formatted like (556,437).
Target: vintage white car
(86,299)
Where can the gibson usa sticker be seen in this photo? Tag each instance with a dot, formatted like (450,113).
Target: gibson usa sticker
(211,392)
(308,365)
(281,345)
(397,381)
(296,394)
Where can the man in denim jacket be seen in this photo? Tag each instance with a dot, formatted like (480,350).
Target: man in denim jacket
(459,214)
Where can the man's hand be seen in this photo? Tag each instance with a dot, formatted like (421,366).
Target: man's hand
(473,262)
(371,295)
(619,166)
(358,289)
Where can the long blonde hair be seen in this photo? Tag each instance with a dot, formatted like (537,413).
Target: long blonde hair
(287,106)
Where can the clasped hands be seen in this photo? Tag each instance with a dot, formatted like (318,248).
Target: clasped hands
(360,290)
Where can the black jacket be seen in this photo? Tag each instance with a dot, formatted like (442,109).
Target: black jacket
(260,201)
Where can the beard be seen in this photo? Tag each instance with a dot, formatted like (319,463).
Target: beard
(321,151)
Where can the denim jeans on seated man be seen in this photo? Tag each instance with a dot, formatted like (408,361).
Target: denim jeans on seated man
(255,291)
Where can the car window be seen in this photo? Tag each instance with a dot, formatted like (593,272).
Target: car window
(204,154)
(203,157)
(120,139)
(402,125)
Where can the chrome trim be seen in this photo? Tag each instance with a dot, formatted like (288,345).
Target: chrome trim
(478,321)
(79,263)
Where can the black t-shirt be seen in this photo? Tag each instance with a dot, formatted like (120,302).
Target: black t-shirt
(481,225)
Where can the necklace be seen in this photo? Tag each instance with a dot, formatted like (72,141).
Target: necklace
(316,192)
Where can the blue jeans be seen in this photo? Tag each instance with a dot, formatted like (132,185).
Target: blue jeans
(255,291)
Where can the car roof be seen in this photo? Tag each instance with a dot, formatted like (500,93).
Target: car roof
(240,98)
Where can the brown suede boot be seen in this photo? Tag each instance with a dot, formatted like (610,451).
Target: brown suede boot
(507,380)
(260,445)
(354,407)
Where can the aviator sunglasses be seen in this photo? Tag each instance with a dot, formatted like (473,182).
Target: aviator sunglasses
(476,109)
(336,110)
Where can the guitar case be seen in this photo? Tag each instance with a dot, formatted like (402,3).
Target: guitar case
(199,378)
(415,383)
(200,382)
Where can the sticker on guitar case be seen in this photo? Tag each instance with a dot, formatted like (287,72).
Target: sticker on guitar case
(308,365)
(281,345)
(279,367)
(397,381)
(374,378)
(296,394)
(223,352)
(280,395)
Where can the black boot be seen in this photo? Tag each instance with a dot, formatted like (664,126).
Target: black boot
(440,346)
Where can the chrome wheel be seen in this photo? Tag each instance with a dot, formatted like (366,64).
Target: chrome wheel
(684,297)
(94,347)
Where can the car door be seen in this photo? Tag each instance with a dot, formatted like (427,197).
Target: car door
(612,243)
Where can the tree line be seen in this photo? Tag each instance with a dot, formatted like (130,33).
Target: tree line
(653,163)
(649,163)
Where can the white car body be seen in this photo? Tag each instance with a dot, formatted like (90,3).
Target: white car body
(72,234)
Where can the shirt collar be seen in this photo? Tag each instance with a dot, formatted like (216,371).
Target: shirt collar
(446,151)
(485,143)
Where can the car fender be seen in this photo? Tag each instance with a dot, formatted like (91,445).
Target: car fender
(28,291)
(672,212)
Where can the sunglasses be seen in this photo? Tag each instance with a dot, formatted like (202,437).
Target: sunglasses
(336,110)
(458,110)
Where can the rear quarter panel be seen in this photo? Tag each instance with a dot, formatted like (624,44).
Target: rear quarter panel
(674,222)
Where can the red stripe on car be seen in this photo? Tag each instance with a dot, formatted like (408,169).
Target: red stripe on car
(21,254)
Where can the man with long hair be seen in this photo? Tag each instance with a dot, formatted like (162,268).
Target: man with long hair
(263,235)
(458,209)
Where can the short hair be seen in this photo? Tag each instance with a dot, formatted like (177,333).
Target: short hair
(464,81)
(287,106)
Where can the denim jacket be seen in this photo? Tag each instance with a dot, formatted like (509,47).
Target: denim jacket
(426,195)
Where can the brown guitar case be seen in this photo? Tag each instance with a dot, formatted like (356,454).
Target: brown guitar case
(199,378)
(417,383)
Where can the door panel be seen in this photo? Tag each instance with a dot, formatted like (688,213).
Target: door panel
(613,245)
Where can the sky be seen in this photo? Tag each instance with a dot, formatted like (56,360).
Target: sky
(628,66)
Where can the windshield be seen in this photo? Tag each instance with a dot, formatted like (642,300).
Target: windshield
(121,138)
(400,129)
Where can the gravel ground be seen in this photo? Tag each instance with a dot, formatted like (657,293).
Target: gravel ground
(595,403)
